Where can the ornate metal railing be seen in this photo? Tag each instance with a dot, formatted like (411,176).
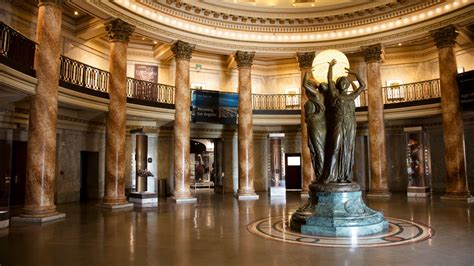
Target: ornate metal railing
(276,101)
(150,91)
(410,92)
(17,50)
(80,74)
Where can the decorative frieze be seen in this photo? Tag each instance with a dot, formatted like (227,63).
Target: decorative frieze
(182,50)
(50,2)
(244,59)
(305,60)
(445,37)
(373,53)
(118,30)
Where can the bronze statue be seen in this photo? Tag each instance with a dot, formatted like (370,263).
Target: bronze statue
(331,123)
(315,119)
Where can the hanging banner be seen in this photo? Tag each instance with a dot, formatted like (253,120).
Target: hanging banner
(466,90)
(214,107)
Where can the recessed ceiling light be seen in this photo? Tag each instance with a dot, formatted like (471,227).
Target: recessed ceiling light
(399,44)
(155,42)
(76,13)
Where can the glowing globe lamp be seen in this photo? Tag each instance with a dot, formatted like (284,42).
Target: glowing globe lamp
(321,65)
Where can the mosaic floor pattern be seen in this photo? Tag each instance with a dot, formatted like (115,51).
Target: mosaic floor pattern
(401,232)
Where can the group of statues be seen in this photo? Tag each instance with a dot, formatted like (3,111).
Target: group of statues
(331,124)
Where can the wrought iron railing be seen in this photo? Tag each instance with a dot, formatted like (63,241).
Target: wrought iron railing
(410,92)
(17,50)
(80,74)
(150,91)
(276,101)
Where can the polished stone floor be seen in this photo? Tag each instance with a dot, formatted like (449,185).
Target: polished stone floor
(213,232)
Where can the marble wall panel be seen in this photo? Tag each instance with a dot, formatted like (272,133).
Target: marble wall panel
(261,153)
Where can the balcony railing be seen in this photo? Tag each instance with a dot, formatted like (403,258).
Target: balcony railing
(276,101)
(80,74)
(17,50)
(411,92)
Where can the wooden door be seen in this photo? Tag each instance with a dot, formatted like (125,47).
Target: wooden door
(18,182)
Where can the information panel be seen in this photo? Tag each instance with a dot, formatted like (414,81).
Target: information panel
(214,107)
(466,90)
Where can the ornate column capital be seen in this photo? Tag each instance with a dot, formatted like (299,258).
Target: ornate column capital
(373,53)
(244,59)
(182,50)
(445,37)
(51,2)
(305,60)
(118,30)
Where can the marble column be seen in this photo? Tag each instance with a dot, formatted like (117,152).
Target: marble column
(246,189)
(114,193)
(453,128)
(305,62)
(182,119)
(378,161)
(41,155)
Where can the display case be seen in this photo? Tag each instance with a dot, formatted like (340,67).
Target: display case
(276,170)
(418,161)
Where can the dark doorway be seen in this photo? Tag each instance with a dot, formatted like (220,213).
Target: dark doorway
(293,171)
(18,178)
(5,172)
(89,175)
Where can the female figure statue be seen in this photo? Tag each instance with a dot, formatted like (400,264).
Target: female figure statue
(338,166)
(314,111)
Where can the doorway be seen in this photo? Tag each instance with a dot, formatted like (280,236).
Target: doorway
(293,171)
(18,177)
(206,164)
(89,175)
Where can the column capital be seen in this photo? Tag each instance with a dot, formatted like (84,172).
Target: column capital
(118,30)
(244,59)
(305,60)
(51,2)
(373,53)
(445,37)
(182,50)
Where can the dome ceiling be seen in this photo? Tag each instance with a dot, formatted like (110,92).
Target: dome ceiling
(282,29)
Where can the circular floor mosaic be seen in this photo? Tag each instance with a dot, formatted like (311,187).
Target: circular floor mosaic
(400,232)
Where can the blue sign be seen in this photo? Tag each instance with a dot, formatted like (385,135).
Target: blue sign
(215,107)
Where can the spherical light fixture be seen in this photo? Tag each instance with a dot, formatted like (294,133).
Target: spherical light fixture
(321,65)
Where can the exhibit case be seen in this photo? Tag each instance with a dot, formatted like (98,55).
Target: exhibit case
(418,162)
(275,163)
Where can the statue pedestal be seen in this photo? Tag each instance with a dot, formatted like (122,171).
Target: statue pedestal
(337,213)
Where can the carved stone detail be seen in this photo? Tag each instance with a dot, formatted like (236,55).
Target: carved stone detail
(373,53)
(305,60)
(182,50)
(445,37)
(244,59)
(51,2)
(118,30)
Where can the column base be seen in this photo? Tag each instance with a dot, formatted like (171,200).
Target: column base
(143,199)
(418,192)
(43,219)
(118,206)
(379,195)
(179,200)
(4,219)
(247,196)
(448,198)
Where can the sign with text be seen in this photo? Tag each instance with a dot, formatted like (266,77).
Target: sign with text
(215,107)
(466,90)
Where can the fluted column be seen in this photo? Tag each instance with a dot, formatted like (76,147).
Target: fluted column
(114,195)
(378,161)
(41,156)
(453,128)
(246,163)
(305,62)
(182,119)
